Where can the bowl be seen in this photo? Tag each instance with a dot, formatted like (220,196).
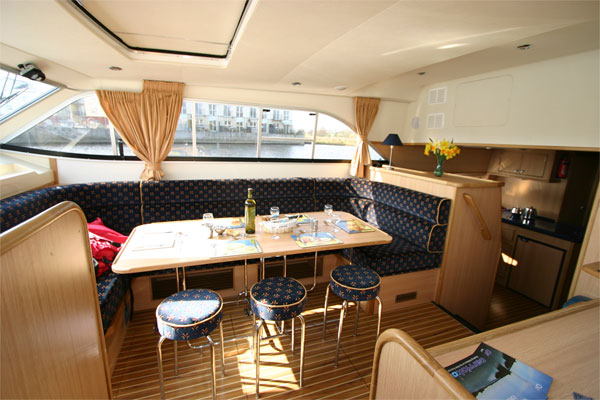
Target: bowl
(219,229)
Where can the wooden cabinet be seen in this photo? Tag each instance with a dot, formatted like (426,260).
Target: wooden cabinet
(532,164)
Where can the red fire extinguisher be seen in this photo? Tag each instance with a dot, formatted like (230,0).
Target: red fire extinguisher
(563,168)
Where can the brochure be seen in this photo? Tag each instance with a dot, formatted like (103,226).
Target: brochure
(354,226)
(234,223)
(490,374)
(237,247)
(315,239)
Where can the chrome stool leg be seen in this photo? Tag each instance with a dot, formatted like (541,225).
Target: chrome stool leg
(342,315)
(325,312)
(212,370)
(302,336)
(160,366)
(378,316)
(356,320)
(257,355)
(222,349)
(293,333)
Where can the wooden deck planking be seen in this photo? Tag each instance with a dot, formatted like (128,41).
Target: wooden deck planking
(136,372)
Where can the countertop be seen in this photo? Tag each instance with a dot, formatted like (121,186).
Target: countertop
(547,226)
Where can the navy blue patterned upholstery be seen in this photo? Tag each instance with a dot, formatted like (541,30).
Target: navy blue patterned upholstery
(397,257)
(277,298)
(111,291)
(189,314)
(355,283)
(416,221)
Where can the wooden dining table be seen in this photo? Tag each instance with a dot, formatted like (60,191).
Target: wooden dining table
(180,244)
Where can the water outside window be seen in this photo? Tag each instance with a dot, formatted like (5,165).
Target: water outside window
(203,130)
(81,127)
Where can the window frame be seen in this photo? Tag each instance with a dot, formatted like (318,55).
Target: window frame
(5,146)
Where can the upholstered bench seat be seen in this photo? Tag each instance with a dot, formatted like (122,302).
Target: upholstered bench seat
(396,257)
(355,283)
(111,291)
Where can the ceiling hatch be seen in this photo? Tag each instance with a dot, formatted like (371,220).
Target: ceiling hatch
(206,29)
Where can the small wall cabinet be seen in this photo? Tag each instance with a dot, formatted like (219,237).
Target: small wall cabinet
(531,164)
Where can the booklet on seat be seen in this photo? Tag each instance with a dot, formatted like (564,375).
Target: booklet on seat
(491,374)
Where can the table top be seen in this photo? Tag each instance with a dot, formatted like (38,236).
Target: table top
(563,344)
(162,245)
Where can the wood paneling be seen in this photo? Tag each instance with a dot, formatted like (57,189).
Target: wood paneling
(52,339)
(471,159)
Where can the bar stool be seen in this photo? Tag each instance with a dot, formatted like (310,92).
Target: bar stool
(277,299)
(188,315)
(352,283)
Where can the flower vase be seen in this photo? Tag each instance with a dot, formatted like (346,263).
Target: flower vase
(440,163)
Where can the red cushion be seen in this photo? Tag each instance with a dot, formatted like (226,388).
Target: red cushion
(97,227)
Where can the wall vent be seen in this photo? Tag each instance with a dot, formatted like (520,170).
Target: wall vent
(406,296)
(435,121)
(296,268)
(164,286)
(437,95)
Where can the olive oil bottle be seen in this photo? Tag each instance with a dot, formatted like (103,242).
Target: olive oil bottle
(250,213)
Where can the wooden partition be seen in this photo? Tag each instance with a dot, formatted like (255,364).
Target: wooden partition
(473,240)
(564,344)
(52,341)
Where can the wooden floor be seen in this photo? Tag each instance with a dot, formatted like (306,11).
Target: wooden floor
(136,372)
(508,306)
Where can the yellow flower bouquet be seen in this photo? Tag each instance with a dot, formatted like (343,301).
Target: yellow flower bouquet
(443,150)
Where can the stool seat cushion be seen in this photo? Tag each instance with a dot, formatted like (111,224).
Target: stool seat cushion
(356,283)
(278,298)
(189,314)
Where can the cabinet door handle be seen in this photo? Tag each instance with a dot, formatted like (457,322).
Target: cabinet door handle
(523,239)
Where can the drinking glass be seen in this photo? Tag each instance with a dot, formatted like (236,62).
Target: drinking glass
(335,218)
(209,219)
(274,215)
(328,210)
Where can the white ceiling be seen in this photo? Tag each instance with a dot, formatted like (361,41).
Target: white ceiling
(371,47)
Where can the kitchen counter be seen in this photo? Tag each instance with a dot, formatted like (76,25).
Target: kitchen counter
(547,226)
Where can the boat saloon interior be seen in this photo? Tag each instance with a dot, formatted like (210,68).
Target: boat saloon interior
(318,199)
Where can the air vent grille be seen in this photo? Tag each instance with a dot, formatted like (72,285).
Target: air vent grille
(437,95)
(164,286)
(435,121)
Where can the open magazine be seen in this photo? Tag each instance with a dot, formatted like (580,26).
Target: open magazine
(354,226)
(315,239)
(490,374)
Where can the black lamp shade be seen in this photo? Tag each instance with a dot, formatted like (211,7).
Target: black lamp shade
(392,140)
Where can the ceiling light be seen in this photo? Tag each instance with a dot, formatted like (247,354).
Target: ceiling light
(422,73)
(296,83)
(524,46)
(115,68)
(340,88)
(451,46)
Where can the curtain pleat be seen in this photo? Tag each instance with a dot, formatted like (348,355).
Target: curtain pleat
(146,121)
(365,111)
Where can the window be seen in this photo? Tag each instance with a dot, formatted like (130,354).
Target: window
(203,130)
(18,93)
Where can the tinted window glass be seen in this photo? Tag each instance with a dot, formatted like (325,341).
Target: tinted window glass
(19,93)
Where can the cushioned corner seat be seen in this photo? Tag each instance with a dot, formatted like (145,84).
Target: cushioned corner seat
(188,315)
(277,298)
(112,288)
(352,283)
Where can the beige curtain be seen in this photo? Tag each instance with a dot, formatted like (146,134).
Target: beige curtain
(146,121)
(365,111)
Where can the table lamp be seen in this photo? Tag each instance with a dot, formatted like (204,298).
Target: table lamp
(392,140)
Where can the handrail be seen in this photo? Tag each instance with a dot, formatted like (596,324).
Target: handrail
(485,232)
